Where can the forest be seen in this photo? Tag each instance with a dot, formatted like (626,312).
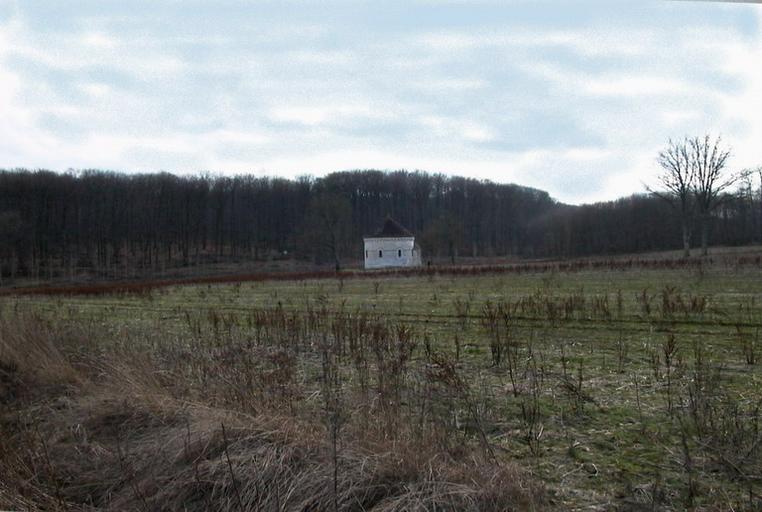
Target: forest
(58,224)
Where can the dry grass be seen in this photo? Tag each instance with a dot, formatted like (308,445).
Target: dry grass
(741,258)
(633,389)
(110,430)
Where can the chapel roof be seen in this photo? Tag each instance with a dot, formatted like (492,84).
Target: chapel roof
(392,229)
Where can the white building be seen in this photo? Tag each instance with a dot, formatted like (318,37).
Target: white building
(392,246)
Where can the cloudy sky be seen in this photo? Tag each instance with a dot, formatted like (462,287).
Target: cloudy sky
(573,97)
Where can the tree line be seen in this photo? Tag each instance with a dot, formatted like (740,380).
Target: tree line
(54,224)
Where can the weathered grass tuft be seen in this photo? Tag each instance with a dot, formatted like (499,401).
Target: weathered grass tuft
(114,435)
(28,347)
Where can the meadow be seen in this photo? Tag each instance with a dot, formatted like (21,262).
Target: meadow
(587,387)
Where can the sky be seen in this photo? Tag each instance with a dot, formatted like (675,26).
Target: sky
(573,97)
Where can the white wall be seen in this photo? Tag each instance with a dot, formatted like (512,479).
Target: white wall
(391,252)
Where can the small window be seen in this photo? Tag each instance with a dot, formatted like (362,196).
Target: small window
(366,255)
(399,253)
(380,254)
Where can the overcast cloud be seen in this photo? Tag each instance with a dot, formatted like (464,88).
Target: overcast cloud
(574,98)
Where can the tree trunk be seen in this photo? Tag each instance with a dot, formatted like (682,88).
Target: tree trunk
(335,251)
(686,240)
(704,236)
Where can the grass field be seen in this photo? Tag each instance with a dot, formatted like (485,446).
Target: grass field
(599,389)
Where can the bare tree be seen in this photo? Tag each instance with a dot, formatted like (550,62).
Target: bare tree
(675,185)
(708,159)
(444,232)
(328,226)
(11,230)
(758,214)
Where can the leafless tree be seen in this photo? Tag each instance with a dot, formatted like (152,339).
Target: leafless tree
(328,226)
(445,232)
(758,171)
(708,159)
(675,184)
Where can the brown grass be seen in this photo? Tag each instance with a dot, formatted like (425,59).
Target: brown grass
(113,431)
(145,286)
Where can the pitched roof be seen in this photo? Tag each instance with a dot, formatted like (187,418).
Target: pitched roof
(392,229)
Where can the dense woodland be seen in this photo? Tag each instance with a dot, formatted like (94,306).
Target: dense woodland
(56,224)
